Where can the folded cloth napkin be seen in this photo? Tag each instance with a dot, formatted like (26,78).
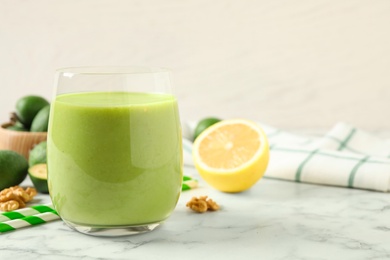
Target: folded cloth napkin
(345,156)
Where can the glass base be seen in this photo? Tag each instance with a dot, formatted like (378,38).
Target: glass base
(112,231)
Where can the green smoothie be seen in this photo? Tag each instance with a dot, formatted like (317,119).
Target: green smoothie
(114,158)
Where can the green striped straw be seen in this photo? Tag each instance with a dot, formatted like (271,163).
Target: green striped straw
(19,220)
(24,212)
(188,183)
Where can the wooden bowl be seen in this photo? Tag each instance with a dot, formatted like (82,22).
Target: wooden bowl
(21,142)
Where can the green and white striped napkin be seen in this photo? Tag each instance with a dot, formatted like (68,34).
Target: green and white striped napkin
(345,156)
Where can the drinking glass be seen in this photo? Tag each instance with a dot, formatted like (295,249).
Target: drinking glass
(114,149)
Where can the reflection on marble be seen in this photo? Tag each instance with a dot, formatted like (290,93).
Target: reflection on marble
(273,220)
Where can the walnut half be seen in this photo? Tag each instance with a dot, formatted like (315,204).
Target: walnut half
(202,204)
(15,198)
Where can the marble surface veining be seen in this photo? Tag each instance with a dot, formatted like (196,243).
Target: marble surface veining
(273,220)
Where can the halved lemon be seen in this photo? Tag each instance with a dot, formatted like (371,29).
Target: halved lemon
(231,155)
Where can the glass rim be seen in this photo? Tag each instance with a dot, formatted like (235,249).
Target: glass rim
(107,70)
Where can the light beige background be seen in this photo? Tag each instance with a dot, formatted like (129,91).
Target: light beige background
(292,64)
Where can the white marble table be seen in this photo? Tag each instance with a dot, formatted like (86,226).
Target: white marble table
(273,220)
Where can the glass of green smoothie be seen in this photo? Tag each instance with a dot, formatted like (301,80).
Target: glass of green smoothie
(114,149)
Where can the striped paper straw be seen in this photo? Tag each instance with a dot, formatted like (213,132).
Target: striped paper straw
(188,183)
(24,212)
(28,221)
